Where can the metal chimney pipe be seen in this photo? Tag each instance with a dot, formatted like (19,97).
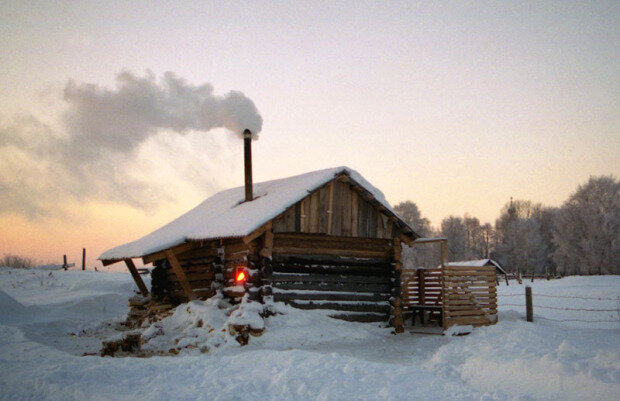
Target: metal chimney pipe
(247,153)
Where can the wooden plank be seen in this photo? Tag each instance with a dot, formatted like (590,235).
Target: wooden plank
(297,210)
(323,206)
(176,267)
(346,211)
(380,226)
(337,209)
(136,277)
(314,213)
(330,208)
(304,216)
(372,222)
(279,223)
(354,212)
(289,219)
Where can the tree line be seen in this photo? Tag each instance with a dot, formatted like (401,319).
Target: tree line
(580,237)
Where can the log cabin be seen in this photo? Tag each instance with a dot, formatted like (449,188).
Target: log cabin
(326,239)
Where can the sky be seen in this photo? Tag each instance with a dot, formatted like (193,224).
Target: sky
(107,130)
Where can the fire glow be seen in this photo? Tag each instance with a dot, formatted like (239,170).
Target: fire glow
(240,277)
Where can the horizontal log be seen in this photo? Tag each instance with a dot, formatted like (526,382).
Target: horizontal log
(333,260)
(348,287)
(328,278)
(332,269)
(193,276)
(329,296)
(327,251)
(378,307)
(331,238)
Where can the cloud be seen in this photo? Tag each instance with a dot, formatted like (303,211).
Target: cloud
(93,154)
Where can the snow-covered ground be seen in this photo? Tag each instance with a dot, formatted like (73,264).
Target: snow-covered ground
(48,320)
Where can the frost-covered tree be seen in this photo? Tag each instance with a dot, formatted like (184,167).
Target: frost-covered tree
(418,255)
(410,213)
(586,232)
(455,230)
(521,247)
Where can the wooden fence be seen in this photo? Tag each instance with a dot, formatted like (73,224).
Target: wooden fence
(457,295)
(470,296)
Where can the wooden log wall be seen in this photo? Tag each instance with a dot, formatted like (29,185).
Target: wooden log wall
(352,277)
(470,296)
(339,208)
(206,268)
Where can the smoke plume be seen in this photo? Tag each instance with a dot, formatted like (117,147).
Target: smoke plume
(92,155)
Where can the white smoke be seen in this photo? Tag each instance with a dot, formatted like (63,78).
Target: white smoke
(102,131)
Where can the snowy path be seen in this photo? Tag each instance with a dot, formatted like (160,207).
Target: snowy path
(302,359)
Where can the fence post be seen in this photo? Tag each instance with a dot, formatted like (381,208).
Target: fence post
(83,258)
(529,307)
(64,262)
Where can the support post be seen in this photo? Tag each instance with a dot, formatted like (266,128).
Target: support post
(529,307)
(444,260)
(397,304)
(83,258)
(178,271)
(64,262)
(136,277)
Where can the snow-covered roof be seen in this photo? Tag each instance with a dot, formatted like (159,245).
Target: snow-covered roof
(477,263)
(226,215)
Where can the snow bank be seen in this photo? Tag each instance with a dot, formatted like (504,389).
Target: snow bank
(301,355)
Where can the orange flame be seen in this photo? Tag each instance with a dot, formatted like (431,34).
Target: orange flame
(240,277)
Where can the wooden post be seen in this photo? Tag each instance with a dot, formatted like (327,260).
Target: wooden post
(397,310)
(178,271)
(83,258)
(532,275)
(444,261)
(64,262)
(529,307)
(136,277)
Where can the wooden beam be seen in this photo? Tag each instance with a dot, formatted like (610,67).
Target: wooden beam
(184,247)
(136,277)
(178,271)
(108,262)
(257,233)
(267,244)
